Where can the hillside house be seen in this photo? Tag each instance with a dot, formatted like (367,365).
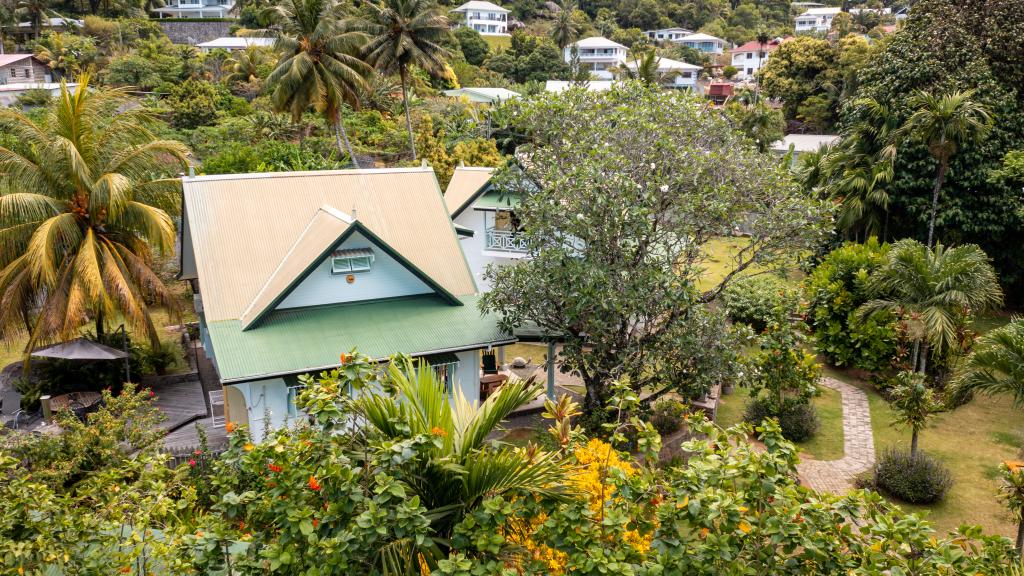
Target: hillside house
(752,56)
(816,19)
(675,74)
(668,34)
(598,55)
(234,43)
(194,9)
(292,269)
(704,42)
(23,69)
(487,18)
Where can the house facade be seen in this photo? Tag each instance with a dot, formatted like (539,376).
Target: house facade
(668,34)
(487,18)
(233,43)
(598,55)
(675,74)
(293,269)
(816,20)
(23,69)
(704,42)
(751,57)
(194,9)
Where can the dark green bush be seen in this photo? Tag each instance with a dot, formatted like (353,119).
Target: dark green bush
(798,420)
(666,415)
(834,291)
(916,479)
(759,300)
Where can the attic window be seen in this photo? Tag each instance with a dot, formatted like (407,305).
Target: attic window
(352,260)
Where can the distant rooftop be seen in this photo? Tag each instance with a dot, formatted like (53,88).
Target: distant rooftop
(598,42)
(822,11)
(592,85)
(804,142)
(700,36)
(237,42)
(6,59)
(480,5)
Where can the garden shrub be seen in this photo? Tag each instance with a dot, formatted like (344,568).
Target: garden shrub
(667,415)
(759,300)
(915,479)
(798,420)
(834,291)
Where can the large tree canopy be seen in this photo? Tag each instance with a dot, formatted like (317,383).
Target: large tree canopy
(957,45)
(633,186)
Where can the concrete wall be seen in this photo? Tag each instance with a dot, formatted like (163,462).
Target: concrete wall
(194,32)
(387,278)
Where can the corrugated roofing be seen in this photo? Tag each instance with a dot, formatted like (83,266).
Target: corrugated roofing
(464,186)
(493,200)
(302,340)
(243,225)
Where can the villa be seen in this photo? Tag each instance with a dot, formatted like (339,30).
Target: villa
(195,9)
(752,56)
(704,42)
(675,74)
(485,17)
(668,34)
(598,55)
(292,269)
(233,43)
(816,20)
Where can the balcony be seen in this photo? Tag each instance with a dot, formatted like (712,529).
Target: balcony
(505,241)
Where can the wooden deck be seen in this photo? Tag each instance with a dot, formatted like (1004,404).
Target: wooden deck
(186,438)
(182,403)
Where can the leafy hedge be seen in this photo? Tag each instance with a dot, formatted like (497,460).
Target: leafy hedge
(798,420)
(834,290)
(758,300)
(914,478)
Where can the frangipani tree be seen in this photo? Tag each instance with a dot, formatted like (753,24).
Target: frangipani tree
(86,201)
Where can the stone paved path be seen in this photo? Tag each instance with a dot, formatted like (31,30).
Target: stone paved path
(836,476)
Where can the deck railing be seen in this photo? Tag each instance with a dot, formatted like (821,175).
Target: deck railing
(505,241)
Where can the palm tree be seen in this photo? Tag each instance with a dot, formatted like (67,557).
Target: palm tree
(462,468)
(856,181)
(82,209)
(405,33)
(318,64)
(644,69)
(35,10)
(944,123)
(564,29)
(763,38)
(937,289)
(996,365)
(243,66)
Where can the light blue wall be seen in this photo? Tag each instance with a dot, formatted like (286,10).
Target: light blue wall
(267,404)
(467,376)
(387,278)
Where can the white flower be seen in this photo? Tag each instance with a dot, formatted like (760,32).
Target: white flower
(664,187)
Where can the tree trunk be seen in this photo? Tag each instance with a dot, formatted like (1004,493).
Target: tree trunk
(939,177)
(924,359)
(99,325)
(915,355)
(404,75)
(913,443)
(339,135)
(1020,537)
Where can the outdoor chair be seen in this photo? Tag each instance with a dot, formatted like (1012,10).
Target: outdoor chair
(489,363)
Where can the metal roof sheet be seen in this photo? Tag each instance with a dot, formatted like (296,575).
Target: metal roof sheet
(466,184)
(243,225)
(300,340)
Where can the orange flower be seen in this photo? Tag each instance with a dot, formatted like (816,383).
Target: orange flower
(704,532)
(1015,465)
(343,357)
(231,427)
(241,524)
(274,467)
(313,484)
(437,431)
(248,447)
(316,523)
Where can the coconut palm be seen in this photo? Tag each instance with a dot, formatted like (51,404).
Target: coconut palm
(564,29)
(644,68)
(405,33)
(936,290)
(996,365)
(35,11)
(463,468)
(83,207)
(318,64)
(244,66)
(944,122)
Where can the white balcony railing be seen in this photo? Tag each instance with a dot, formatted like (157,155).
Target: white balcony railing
(505,241)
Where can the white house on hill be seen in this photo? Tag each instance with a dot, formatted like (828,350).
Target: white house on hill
(816,20)
(232,43)
(598,55)
(704,43)
(195,9)
(675,74)
(668,34)
(485,17)
(750,57)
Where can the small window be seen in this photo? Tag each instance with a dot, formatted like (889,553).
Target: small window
(293,396)
(350,261)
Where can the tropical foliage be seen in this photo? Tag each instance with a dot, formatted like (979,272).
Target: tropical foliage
(86,199)
(996,364)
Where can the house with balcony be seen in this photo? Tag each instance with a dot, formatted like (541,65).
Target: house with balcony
(816,20)
(292,269)
(487,18)
(752,56)
(667,34)
(195,9)
(598,55)
(485,221)
(704,42)
(675,74)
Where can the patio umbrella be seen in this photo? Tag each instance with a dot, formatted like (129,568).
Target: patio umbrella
(80,349)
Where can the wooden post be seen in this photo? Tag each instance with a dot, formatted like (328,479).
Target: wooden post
(551,370)
(44,402)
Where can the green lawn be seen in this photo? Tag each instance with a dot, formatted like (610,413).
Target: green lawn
(720,261)
(827,444)
(496,43)
(972,441)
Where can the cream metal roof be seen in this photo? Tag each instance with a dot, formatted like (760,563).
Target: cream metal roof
(464,185)
(243,225)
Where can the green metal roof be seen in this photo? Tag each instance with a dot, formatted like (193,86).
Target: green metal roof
(492,199)
(310,339)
